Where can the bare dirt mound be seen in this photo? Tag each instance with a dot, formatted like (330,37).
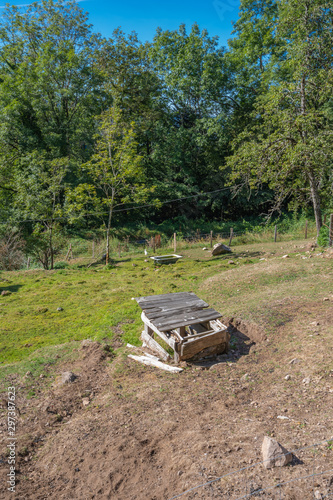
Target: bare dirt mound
(128,432)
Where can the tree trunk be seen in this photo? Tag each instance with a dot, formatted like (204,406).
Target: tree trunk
(51,249)
(107,258)
(315,201)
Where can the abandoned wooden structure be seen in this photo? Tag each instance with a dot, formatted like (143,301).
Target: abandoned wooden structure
(185,323)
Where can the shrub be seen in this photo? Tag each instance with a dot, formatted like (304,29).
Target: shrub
(60,265)
(323,237)
(11,250)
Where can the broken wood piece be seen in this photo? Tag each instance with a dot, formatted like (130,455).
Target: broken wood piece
(193,347)
(154,346)
(151,356)
(158,364)
(171,342)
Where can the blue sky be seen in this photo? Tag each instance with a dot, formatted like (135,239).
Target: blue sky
(145,16)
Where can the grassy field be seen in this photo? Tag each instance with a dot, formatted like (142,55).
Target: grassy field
(95,302)
(127,431)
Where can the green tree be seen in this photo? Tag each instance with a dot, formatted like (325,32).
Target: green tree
(190,140)
(114,171)
(290,145)
(50,83)
(40,187)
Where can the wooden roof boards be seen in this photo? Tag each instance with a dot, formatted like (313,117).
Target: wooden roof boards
(174,310)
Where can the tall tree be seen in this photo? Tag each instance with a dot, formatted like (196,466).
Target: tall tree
(114,172)
(189,143)
(290,146)
(50,85)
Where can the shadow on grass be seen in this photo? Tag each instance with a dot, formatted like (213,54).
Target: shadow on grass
(11,288)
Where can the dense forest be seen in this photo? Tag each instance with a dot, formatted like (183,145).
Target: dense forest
(97,131)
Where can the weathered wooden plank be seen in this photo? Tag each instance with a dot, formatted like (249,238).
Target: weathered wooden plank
(170,301)
(171,342)
(155,346)
(166,323)
(172,308)
(198,335)
(158,364)
(192,347)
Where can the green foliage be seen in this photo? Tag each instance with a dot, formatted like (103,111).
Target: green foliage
(323,238)
(61,265)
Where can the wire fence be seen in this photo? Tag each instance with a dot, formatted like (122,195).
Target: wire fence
(308,476)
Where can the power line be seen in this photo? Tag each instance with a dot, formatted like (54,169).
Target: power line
(94,214)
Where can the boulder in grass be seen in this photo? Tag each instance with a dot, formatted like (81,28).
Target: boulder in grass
(219,249)
(273,454)
(68,377)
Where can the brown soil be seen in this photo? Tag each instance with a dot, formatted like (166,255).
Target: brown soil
(123,431)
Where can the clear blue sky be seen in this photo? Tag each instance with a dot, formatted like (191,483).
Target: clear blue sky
(146,15)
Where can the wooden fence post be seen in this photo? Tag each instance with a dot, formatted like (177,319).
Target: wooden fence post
(28,263)
(331,232)
(211,239)
(93,249)
(275,234)
(306,229)
(231,235)
(174,243)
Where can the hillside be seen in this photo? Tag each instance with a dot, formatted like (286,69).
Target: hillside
(124,431)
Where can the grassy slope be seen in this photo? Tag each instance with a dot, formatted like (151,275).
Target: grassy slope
(212,420)
(95,301)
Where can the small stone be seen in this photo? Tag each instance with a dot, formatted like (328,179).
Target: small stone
(326,299)
(28,374)
(85,401)
(205,248)
(306,380)
(315,323)
(5,292)
(318,495)
(294,361)
(68,377)
(274,455)
(41,375)
(59,309)
(231,262)
(86,343)
(287,377)
(244,377)
(285,256)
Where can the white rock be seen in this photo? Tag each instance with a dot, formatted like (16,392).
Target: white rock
(285,257)
(306,380)
(287,377)
(274,455)
(68,377)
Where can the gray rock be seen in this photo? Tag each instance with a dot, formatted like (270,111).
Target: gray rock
(294,361)
(219,249)
(59,309)
(68,377)
(274,455)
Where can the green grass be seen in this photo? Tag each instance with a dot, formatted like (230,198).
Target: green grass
(97,301)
